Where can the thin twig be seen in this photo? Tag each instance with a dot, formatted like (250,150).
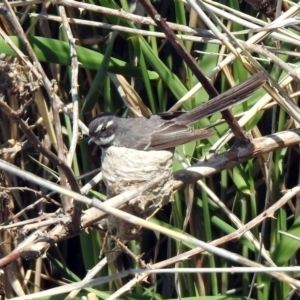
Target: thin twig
(120,14)
(202,36)
(74,86)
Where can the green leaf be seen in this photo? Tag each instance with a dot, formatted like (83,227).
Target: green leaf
(98,82)
(58,52)
(287,246)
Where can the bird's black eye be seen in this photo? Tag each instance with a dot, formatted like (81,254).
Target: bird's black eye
(103,129)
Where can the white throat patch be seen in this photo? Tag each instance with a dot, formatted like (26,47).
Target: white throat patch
(104,141)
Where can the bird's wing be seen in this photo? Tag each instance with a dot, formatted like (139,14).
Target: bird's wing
(171,134)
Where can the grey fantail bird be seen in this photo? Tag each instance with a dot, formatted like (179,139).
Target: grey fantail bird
(166,130)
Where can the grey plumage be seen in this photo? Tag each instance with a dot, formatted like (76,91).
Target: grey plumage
(166,131)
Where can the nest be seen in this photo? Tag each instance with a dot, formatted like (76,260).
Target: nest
(126,169)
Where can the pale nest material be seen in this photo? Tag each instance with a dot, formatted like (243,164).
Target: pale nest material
(126,169)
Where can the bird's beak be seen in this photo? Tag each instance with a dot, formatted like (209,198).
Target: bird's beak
(91,140)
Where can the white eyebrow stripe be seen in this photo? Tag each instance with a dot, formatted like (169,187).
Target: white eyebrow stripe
(99,127)
(111,122)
